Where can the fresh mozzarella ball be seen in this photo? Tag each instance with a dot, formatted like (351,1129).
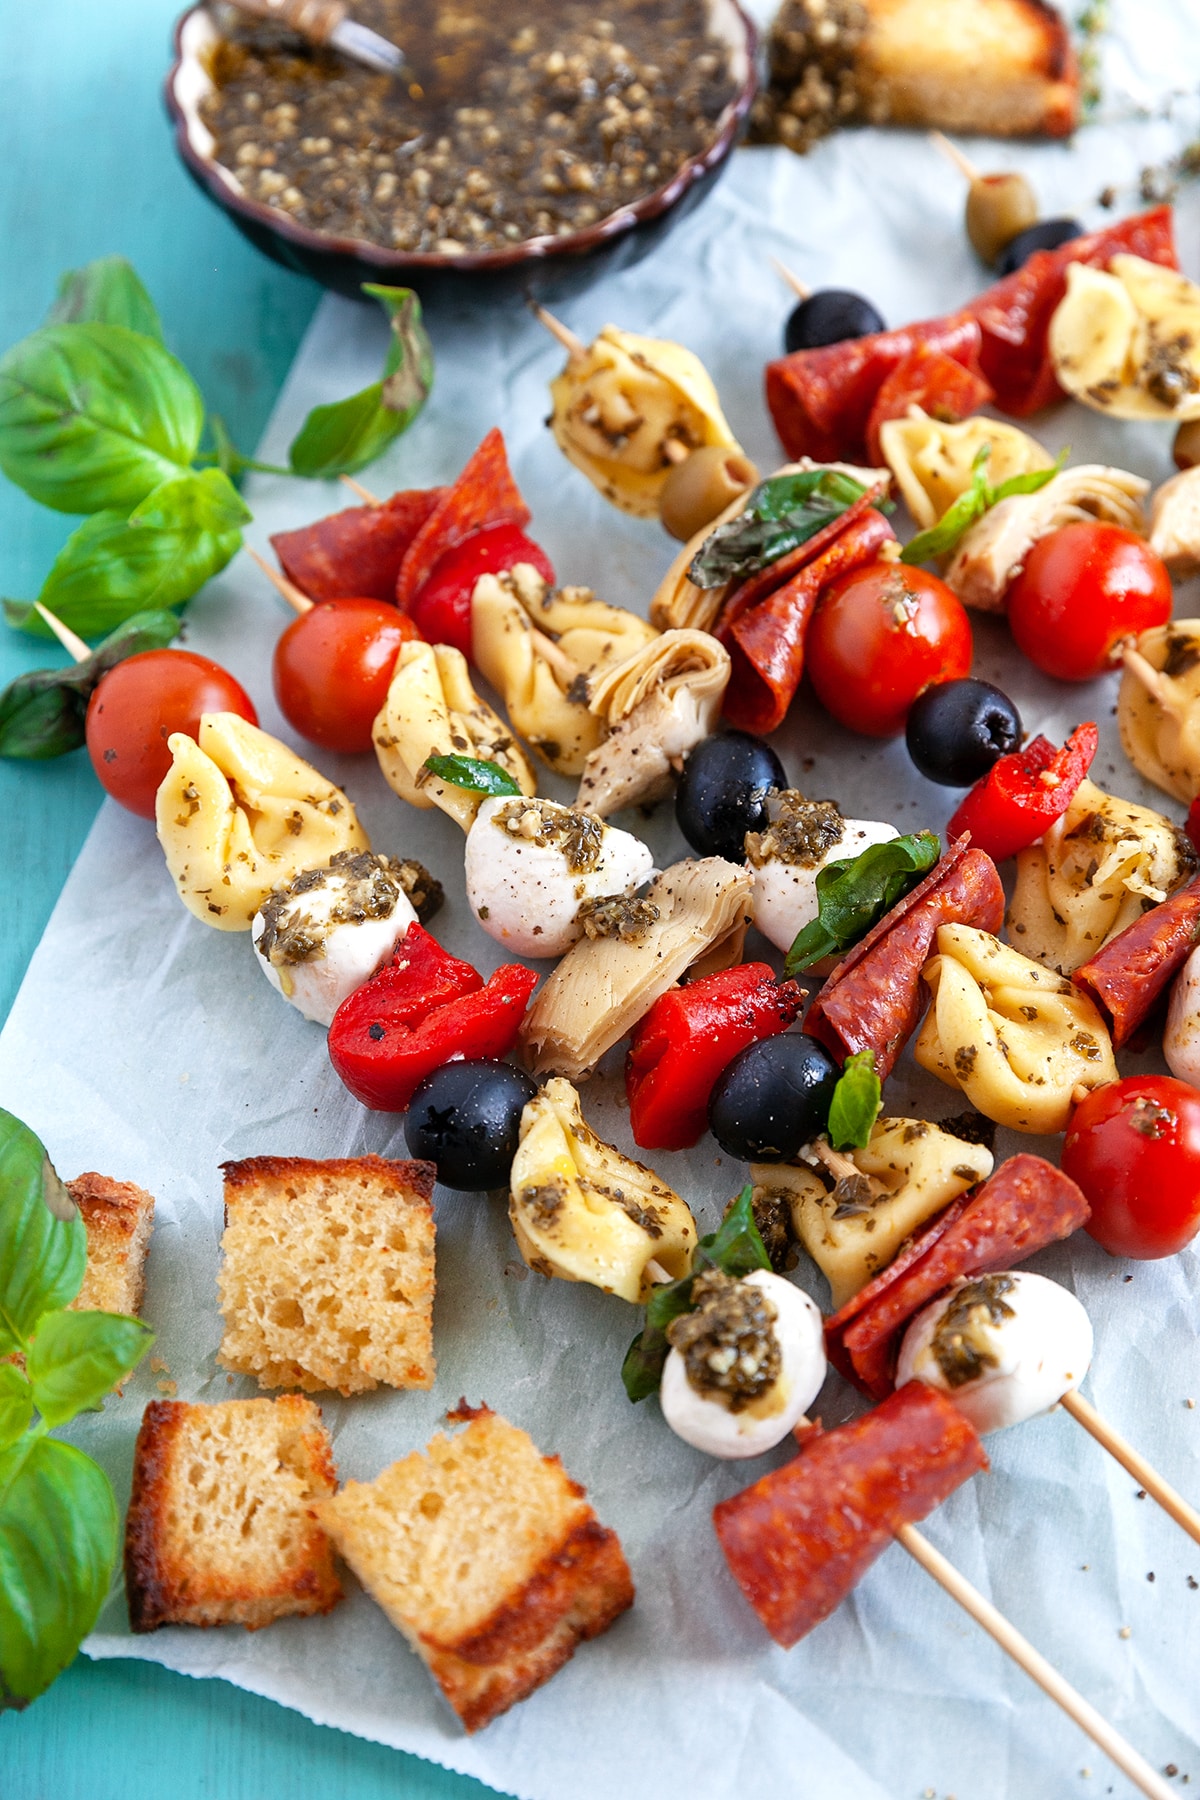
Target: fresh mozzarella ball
(319,939)
(1181,1039)
(1021,1342)
(785,893)
(531,863)
(706,1422)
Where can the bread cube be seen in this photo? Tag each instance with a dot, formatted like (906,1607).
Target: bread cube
(118,1218)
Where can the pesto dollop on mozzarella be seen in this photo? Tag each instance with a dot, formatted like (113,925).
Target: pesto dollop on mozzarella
(531,864)
(318,939)
(803,837)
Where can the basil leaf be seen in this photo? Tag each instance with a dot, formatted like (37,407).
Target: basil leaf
(971,505)
(1033,480)
(95,416)
(105,292)
(43,1244)
(856,1102)
(853,895)
(59,1534)
(111,567)
(349,434)
(736,1246)
(782,513)
(43,713)
(16,1404)
(77,1358)
(467,772)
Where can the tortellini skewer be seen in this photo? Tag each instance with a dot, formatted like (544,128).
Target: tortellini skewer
(1158,707)
(932,461)
(1126,341)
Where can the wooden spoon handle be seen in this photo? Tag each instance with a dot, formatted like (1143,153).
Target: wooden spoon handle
(313,19)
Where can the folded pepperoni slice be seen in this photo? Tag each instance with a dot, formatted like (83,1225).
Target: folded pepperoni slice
(927,378)
(356,553)
(484,494)
(1127,977)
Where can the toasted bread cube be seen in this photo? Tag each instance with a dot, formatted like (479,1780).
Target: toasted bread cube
(118,1218)
(222,1526)
(328,1277)
(486,1555)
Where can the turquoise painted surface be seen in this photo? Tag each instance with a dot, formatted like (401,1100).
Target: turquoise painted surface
(86,169)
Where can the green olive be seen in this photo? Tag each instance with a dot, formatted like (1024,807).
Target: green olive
(1186,450)
(998,207)
(702,486)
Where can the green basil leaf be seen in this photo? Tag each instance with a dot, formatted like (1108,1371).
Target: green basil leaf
(468,772)
(77,1358)
(105,292)
(1033,481)
(971,505)
(111,567)
(59,1535)
(43,713)
(347,435)
(736,1247)
(43,1244)
(782,513)
(856,1102)
(94,417)
(16,1404)
(853,895)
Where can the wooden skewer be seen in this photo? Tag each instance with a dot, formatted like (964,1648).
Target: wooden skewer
(564,667)
(574,346)
(794,282)
(73,645)
(291,593)
(963,164)
(1156,684)
(1034,1664)
(1143,1473)
(356,487)
(674,451)
(656,1272)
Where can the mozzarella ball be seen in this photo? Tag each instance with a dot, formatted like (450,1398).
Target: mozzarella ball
(531,863)
(703,1419)
(1003,1347)
(1181,1038)
(785,893)
(320,938)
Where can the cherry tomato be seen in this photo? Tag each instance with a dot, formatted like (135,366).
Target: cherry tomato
(135,708)
(1083,589)
(1134,1149)
(879,637)
(333,667)
(442,605)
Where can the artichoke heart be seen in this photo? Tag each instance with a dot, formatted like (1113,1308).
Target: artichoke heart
(239,814)
(1127,341)
(1015,1037)
(908,1171)
(657,705)
(627,408)
(582,1211)
(932,461)
(1159,719)
(432,710)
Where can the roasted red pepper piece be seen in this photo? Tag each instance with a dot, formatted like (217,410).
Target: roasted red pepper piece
(420,976)
(484,494)
(688,1037)
(1021,795)
(944,388)
(357,552)
(442,610)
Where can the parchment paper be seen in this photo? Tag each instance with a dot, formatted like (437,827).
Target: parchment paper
(146,1046)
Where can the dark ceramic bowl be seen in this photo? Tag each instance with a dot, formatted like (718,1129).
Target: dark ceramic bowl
(543,267)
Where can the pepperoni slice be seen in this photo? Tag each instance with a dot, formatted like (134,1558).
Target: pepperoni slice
(1127,977)
(484,494)
(356,553)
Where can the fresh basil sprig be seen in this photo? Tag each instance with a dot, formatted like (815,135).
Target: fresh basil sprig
(856,1101)
(106,292)
(853,895)
(736,1248)
(346,436)
(59,1523)
(477,776)
(782,513)
(971,505)
(43,713)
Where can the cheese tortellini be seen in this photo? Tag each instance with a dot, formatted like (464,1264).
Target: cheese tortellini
(239,814)
(932,462)
(432,710)
(1095,871)
(584,1212)
(1158,708)
(1127,341)
(852,1229)
(656,707)
(1016,1038)
(539,647)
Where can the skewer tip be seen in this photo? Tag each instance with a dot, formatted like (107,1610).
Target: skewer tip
(798,287)
(952,153)
(364,493)
(299,602)
(574,346)
(71,642)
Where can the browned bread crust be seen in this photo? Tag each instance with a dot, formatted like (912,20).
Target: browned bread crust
(118,1218)
(222,1526)
(419,1178)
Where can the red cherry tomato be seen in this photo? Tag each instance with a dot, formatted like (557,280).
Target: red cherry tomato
(1083,589)
(135,708)
(1134,1149)
(879,637)
(333,667)
(442,606)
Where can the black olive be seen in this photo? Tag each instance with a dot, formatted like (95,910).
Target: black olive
(773,1097)
(1047,234)
(466,1118)
(722,793)
(956,730)
(829,316)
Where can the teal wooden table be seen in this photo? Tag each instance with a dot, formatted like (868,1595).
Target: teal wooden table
(86,169)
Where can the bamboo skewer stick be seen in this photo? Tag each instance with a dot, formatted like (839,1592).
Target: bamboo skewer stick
(656,1272)
(365,494)
(291,593)
(1143,1473)
(74,646)
(1156,684)
(563,666)
(963,164)
(574,346)
(1047,1677)
(797,286)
